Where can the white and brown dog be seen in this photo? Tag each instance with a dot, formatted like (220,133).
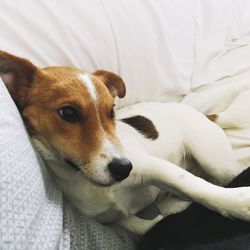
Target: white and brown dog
(111,168)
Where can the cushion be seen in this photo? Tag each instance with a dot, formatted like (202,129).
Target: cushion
(163,49)
(136,40)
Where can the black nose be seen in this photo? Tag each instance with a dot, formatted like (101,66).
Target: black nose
(120,168)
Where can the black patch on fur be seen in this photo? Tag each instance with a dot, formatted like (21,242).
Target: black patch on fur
(145,126)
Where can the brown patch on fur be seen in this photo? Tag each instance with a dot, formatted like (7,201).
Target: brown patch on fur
(113,82)
(17,74)
(212,117)
(143,125)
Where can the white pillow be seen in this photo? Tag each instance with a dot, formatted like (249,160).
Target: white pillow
(149,43)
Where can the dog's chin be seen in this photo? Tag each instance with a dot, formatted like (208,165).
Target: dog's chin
(76,168)
(101,184)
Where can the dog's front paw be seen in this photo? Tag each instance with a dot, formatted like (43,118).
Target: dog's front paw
(237,203)
(138,225)
(144,225)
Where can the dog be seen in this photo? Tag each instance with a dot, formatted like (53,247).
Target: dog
(200,228)
(112,166)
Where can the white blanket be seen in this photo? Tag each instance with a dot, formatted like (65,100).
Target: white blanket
(222,63)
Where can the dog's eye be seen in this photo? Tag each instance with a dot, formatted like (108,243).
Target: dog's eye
(112,113)
(69,114)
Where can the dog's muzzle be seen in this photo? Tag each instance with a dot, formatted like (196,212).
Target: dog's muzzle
(120,168)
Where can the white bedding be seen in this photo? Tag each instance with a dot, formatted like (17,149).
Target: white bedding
(163,49)
(150,43)
(222,63)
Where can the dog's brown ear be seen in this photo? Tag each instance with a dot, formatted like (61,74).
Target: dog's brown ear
(114,83)
(17,74)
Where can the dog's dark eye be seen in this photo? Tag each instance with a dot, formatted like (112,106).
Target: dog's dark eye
(69,114)
(112,113)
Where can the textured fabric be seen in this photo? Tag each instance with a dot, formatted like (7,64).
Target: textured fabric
(31,205)
(86,234)
(32,215)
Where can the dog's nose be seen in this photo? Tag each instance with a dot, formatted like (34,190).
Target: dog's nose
(120,168)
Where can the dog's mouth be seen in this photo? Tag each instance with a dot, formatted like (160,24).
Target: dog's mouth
(72,165)
(77,168)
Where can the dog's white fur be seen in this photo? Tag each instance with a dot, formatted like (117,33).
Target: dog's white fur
(161,164)
(89,85)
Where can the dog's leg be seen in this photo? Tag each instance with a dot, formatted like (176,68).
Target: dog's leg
(167,176)
(171,205)
(211,148)
(138,225)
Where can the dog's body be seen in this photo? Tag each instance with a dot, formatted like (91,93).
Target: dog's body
(69,114)
(175,143)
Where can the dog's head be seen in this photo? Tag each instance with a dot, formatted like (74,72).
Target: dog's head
(70,114)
